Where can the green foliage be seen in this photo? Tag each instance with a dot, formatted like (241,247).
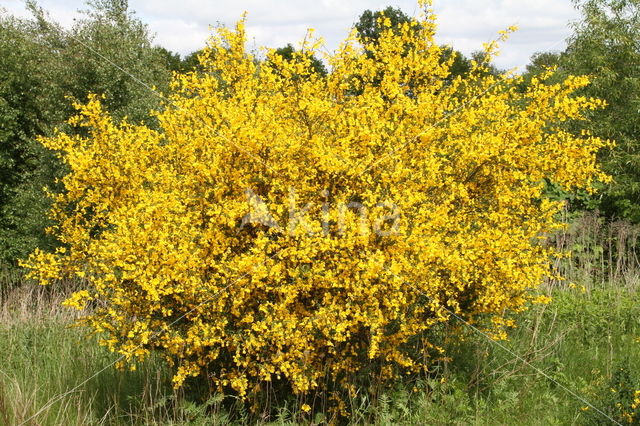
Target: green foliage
(461,64)
(172,60)
(540,62)
(605,46)
(369,26)
(606,318)
(109,52)
(191,62)
(289,53)
(489,67)
(618,396)
(43,360)
(42,70)
(29,105)
(175,63)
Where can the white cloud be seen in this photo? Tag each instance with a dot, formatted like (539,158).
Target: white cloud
(61,11)
(183,26)
(466,24)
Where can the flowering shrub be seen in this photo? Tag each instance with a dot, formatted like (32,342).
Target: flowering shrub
(287,225)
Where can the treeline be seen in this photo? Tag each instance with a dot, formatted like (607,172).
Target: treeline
(44,69)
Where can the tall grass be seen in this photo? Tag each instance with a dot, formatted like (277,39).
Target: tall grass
(44,357)
(575,356)
(601,252)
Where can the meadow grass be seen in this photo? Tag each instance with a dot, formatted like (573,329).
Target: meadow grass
(575,356)
(585,340)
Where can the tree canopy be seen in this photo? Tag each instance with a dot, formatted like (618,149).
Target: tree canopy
(44,68)
(605,47)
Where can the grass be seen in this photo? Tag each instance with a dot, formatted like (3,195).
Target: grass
(585,341)
(575,356)
(43,360)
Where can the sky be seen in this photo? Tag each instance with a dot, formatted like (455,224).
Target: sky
(183,26)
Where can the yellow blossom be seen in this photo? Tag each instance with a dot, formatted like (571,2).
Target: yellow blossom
(280,224)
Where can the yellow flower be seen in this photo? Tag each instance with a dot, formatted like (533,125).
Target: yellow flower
(281,224)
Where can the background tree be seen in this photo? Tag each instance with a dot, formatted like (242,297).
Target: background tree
(461,64)
(43,70)
(487,66)
(176,63)
(191,62)
(110,52)
(289,53)
(542,61)
(605,46)
(369,28)
(30,98)
(172,60)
